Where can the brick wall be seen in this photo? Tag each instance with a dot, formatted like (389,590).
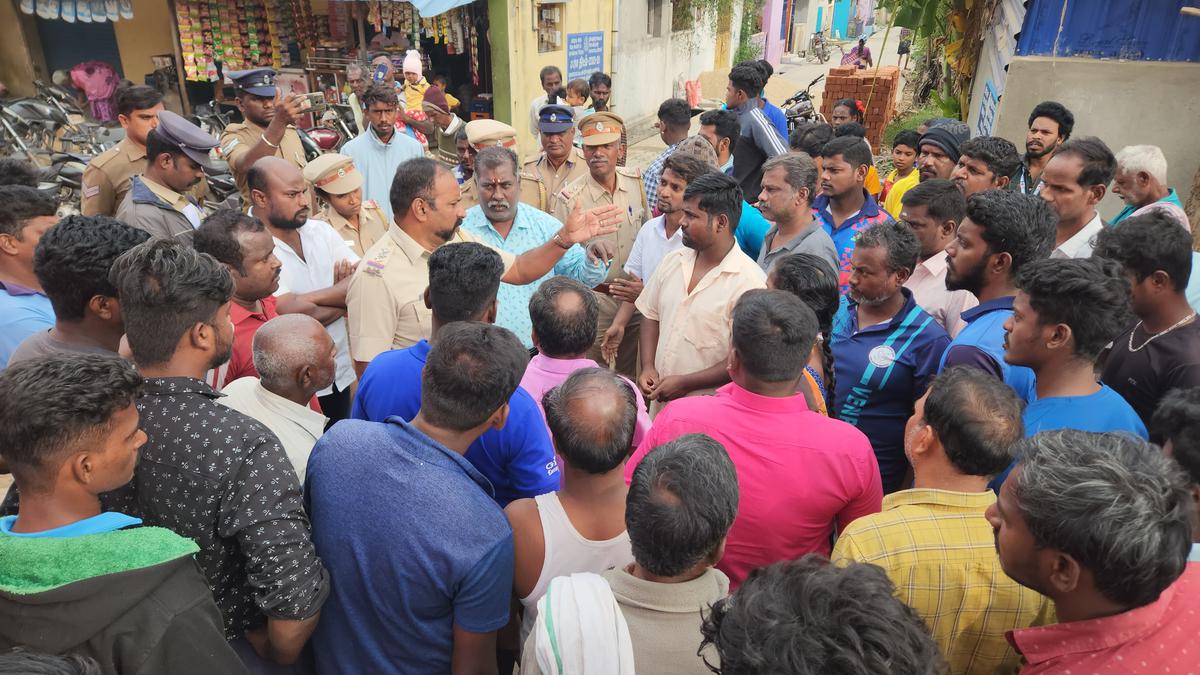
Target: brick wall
(850,82)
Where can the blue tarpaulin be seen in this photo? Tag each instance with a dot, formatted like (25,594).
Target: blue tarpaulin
(1138,30)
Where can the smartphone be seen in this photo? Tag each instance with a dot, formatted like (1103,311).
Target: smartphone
(380,72)
(603,288)
(316,102)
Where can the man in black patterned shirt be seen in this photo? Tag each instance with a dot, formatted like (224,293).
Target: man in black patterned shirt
(208,472)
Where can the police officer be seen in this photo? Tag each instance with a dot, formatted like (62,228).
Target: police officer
(486,133)
(177,152)
(268,128)
(106,178)
(338,184)
(560,162)
(608,183)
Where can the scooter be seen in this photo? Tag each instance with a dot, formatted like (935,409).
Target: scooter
(799,109)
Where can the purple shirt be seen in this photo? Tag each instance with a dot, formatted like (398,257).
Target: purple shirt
(545,373)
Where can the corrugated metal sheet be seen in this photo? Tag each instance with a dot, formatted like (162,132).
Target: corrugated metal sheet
(1139,30)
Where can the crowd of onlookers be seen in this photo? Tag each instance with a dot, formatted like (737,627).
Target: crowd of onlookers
(424,406)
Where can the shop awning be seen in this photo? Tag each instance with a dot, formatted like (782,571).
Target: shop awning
(428,8)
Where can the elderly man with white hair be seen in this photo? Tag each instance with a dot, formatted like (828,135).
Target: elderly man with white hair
(1141,181)
(359,80)
(294,356)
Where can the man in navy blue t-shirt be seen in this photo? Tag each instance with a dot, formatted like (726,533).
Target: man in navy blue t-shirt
(885,348)
(517,459)
(1001,233)
(419,555)
(1065,313)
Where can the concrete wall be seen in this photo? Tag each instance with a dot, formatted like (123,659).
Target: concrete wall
(647,70)
(1122,102)
(17,67)
(148,33)
(515,55)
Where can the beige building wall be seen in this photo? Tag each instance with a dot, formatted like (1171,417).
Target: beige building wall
(1121,102)
(148,33)
(520,45)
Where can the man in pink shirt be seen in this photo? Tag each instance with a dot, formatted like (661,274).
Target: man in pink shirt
(1101,525)
(564,313)
(800,474)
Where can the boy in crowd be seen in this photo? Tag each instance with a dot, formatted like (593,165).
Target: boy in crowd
(74,577)
(905,174)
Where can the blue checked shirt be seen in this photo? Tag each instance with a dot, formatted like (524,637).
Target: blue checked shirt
(531,228)
(653,174)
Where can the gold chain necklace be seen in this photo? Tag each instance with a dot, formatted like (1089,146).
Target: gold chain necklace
(1154,337)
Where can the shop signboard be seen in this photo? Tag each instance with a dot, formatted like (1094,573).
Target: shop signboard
(585,54)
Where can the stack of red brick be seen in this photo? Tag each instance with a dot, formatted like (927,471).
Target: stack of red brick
(851,82)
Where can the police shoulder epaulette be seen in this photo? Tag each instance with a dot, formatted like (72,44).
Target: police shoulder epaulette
(631,172)
(374,265)
(105,157)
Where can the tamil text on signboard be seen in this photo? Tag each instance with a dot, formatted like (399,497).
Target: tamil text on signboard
(585,54)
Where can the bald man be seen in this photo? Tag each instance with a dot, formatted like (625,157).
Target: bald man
(317,264)
(592,415)
(294,357)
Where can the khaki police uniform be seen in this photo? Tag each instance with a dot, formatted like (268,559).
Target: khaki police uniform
(106,179)
(372,226)
(335,174)
(241,136)
(572,169)
(385,305)
(630,196)
(487,133)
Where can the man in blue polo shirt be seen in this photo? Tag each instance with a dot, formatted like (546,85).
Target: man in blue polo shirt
(885,348)
(517,459)
(24,308)
(844,207)
(1065,313)
(1002,232)
(419,555)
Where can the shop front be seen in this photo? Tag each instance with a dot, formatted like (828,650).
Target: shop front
(311,43)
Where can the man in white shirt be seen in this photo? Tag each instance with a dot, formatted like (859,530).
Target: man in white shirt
(316,261)
(1074,181)
(932,209)
(552,82)
(294,356)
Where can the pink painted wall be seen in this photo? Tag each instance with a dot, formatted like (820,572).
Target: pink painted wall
(772,22)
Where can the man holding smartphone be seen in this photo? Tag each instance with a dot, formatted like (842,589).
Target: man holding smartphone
(268,128)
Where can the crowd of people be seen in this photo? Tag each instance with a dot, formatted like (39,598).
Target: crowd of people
(424,406)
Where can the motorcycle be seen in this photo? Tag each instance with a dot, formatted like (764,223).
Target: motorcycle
(799,109)
(210,119)
(66,171)
(818,48)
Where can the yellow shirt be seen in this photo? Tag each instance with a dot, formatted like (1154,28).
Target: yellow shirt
(940,552)
(891,203)
(414,94)
(385,305)
(694,328)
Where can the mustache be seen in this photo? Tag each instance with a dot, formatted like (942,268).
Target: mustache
(499,204)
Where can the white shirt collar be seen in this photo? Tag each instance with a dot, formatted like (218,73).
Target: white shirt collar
(1080,244)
